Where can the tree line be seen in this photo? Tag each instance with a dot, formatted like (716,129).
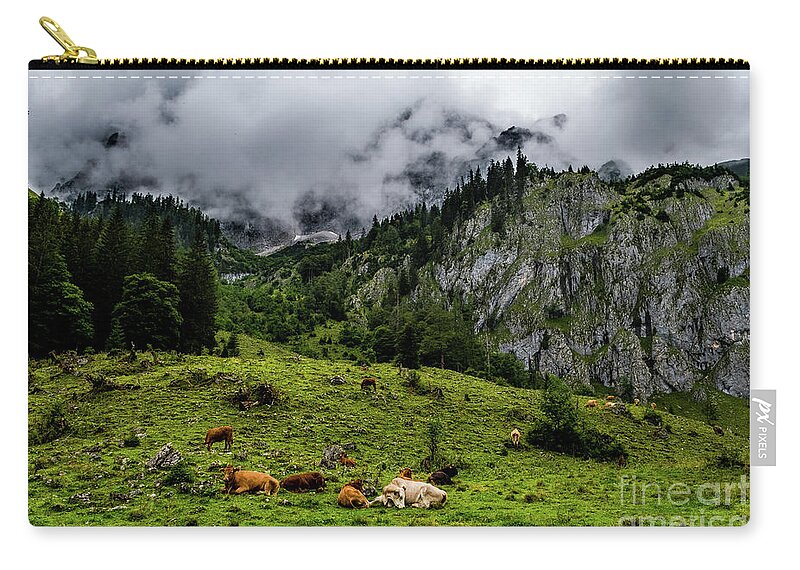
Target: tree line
(118,273)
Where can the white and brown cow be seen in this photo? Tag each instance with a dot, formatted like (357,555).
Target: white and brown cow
(401,493)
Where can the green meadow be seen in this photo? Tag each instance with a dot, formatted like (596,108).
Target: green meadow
(92,471)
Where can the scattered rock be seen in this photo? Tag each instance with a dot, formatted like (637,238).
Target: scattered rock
(331,455)
(81,498)
(167,456)
(621,409)
(661,433)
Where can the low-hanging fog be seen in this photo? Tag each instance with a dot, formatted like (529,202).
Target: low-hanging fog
(312,149)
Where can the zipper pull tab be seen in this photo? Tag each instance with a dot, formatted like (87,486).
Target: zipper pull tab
(72,52)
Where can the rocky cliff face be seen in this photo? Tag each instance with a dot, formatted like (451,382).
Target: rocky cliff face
(644,288)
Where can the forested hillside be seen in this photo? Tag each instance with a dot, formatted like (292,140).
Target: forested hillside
(639,284)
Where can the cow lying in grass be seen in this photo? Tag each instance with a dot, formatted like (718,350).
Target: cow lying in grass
(443,476)
(406,473)
(347,462)
(352,496)
(303,482)
(224,433)
(239,481)
(404,492)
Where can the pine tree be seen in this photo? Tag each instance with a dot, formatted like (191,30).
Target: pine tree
(408,346)
(164,267)
(520,178)
(421,250)
(197,284)
(59,317)
(111,263)
(147,313)
(403,283)
(348,242)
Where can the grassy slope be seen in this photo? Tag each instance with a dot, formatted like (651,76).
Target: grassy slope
(496,486)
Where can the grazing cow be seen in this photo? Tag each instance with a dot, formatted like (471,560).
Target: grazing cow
(608,405)
(718,430)
(240,481)
(591,403)
(443,476)
(636,401)
(402,492)
(405,473)
(224,433)
(348,462)
(367,382)
(515,437)
(303,482)
(653,405)
(352,496)
(610,398)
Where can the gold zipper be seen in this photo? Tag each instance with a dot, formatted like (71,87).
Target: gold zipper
(74,54)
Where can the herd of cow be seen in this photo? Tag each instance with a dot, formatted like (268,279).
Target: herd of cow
(402,491)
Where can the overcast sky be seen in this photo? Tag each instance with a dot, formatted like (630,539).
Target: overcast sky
(274,147)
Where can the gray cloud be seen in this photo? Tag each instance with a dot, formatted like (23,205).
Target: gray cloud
(314,152)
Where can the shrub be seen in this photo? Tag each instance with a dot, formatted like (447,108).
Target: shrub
(729,458)
(711,409)
(562,431)
(51,425)
(179,473)
(434,435)
(267,394)
(412,380)
(131,440)
(653,417)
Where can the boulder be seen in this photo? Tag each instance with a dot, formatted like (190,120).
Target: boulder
(166,457)
(331,455)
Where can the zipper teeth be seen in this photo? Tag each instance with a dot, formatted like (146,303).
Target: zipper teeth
(441,63)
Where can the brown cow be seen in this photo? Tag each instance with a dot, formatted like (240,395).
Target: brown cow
(347,461)
(653,405)
(367,382)
(610,398)
(636,401)
(406,473)
(352,496)
(591,403)
(240,481)
(224,433)
(718,430)
(303,482)
(515,435)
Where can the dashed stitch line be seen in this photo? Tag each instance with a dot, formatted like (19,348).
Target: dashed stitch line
(392,77)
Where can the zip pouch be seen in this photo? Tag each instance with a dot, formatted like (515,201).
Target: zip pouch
(382,292)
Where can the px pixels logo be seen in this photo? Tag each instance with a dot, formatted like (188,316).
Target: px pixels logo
(762,427)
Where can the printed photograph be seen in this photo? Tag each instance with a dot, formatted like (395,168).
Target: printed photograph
(407,297)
